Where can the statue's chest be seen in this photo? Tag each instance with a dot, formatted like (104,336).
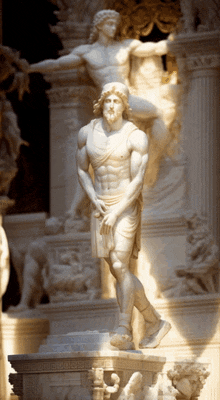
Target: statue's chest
(107,56)
(115,146)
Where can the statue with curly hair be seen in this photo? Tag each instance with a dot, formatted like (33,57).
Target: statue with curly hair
(117,151)
(108,59)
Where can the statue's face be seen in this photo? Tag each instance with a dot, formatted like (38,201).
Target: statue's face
(113,108)
(109,27)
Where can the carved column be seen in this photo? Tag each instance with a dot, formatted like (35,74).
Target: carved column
(71,101)
(198,57)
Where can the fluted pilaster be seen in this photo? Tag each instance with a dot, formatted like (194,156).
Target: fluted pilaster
(199,62)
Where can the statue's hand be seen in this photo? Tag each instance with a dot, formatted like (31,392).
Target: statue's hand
(108,222)
(32,68)
(171,37)
(100,207)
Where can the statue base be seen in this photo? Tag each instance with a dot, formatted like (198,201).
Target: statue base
(65,375)
(81,316)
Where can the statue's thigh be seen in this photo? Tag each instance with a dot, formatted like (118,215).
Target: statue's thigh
(123,248)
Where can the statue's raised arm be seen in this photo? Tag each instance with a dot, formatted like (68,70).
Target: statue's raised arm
(73,60)
(150,49)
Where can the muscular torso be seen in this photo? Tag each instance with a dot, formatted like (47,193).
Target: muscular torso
(113,176)
(110,63)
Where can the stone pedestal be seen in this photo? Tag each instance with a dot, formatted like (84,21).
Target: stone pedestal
(81,316)
(20,336)
(52,376)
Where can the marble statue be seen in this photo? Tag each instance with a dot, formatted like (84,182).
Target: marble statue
(34,261)
(201,273)
(69,279)
(117,151)
(100,389)
(133,389)
(189,379)
(108,59)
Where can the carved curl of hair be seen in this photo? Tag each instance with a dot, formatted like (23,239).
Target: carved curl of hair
(99,18)
(98,107)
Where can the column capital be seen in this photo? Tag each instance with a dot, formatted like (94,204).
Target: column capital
(71,96)
(197,43)
(196,53)
(70,87)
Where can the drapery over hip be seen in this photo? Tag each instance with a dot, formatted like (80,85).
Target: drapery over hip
(127,226)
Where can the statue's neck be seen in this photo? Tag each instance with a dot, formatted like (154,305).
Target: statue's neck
(104,40)
(115,126)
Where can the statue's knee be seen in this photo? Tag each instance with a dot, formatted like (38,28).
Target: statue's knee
(119,270)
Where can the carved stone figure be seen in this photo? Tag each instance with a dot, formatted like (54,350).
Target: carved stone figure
(200,275)
(35,260)
(188,379)
(108,59)
(117,151)
(133,389)
(13,76)
(100,389)
(70,280)
(207,13)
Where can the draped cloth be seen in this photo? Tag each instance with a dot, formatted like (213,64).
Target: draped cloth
(128,225)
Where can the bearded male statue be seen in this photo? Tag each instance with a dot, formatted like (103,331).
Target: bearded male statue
(117,151)
(109,60)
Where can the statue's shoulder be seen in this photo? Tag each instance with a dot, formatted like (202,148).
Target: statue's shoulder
(137,138)
(130,127)
(85,131)
(81,50)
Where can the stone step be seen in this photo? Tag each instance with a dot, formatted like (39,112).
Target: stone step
(77,341)
(79,337)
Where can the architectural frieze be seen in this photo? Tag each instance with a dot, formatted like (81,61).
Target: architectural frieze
(207,61)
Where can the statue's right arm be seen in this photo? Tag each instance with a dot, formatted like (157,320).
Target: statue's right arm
(72,60)
(83,164)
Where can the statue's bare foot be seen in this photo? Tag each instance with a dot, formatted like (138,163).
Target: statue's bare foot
(154,340)
(122,339)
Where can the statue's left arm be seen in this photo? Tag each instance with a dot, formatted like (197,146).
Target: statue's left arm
(138,144)
(149,49)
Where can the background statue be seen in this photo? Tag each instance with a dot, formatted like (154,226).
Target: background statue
(13,76)
(201,273)
(108,59)
(117,151)
(70,279)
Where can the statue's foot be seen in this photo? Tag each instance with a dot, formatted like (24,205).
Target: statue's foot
(155,339)
(122,339)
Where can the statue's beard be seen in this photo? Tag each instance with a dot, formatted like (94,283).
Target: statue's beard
(111,116)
